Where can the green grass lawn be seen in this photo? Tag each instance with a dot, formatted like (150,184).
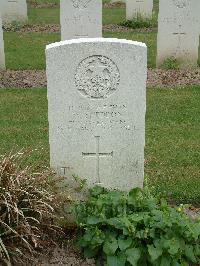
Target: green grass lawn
(172,135)
(27,50)
(44,16)
(113,16)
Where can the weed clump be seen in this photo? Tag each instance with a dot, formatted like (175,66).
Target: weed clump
(27,211)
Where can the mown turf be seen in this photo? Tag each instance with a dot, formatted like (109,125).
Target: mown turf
(42,16)
(172,142)
(52,16)
(172,135)
(23,122)
(113,16)
(27,50)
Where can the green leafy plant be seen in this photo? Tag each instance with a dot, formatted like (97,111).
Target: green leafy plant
(140,22)
(27,205)
(136,229)
(171,63)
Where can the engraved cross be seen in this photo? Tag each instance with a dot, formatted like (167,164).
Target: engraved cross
(179,33)
(97,155)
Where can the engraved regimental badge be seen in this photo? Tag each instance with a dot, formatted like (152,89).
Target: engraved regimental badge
(180,3)
(80,3)
(97,77)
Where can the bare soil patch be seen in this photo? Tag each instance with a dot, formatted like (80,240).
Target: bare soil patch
(156,78)
(35,4)
(48,28)
(54,28)
(22,79)
(169,78)
(118,28)
(114,5)
(66,256)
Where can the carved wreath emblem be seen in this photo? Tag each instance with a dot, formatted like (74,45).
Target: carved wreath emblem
(80,3)
(97,77)
(180,3)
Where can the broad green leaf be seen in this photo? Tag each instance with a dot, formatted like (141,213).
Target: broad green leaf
(135,192)
(124,243)
(184,263)
(165,261)
(116,222)
(134,195)
(196,231)
(90,253)
(133,255)
(174,247)
(137,217)
(154,252)
(189,252)
(122,223)
(96,191)
(175,263)
(93,220)
(116,260)
(88,235)
(110,247)
(197,250)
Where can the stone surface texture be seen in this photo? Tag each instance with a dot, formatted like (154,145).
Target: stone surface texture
(80,19)
(13,10)
(2,55)
(96,110)
(178,32)
(141,8)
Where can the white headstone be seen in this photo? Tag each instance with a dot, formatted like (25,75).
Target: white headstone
(80,19)
(96,110)
(139,8)
(13,10)
(178,32)
(2,55)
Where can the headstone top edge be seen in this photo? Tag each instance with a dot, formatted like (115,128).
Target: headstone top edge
(94,40)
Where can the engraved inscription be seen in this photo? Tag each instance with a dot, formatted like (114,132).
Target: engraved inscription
(97,155)
(80,3)
(105,116)
(97,77)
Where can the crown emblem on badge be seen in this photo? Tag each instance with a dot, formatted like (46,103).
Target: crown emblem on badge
(180,3)
(80,3)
